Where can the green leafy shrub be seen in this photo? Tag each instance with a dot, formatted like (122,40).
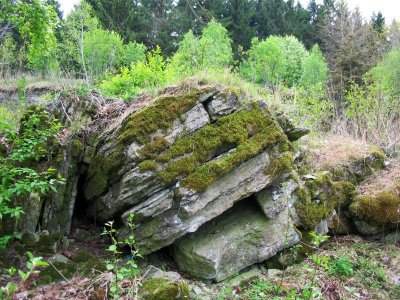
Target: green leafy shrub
(387,72)
(133,53)
(141,75)
(372,113)
(315,69)
(36,22)
(129,271)
(265,62)
(102,51)
(212,52)
(294,53)
(275,60)
(17,180)
(311,107)
(8,56)
(341,267)
(32,266)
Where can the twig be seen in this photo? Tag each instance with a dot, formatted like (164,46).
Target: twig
(59,272)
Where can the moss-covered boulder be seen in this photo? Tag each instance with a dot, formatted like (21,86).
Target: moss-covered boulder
(317,198)
(183,159)
(164,289)
(377,212)
(376,208)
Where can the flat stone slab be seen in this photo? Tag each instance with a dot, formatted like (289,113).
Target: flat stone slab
(238,239)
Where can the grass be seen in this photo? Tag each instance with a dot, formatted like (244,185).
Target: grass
(356,269)
(382,180)
(327,153)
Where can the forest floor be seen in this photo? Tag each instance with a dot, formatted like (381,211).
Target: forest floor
(346,267)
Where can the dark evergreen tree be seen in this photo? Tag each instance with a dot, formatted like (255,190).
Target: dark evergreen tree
(240,22)
(124,17)
(378,22)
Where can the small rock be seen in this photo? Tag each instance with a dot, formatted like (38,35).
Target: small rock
(253,273)
(274,272)
(84,235)
(30,239)
(297,133)
(58,258)
(393,238)
(164,289)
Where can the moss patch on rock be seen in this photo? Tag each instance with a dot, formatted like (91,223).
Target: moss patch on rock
(380,208)
(284,163)
(83,264)
(318,198)
(240,136)
(164,289)
(247,133)
(160,116)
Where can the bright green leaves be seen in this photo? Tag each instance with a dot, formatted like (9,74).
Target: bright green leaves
(36,22)
(211,52)
(19,181)
(275,60)
(315,68)
(102,51)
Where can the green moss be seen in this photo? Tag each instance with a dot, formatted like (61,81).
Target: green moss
(96,185)
(319,197)
(164,289)
(160,116)
(77,148)
(380,209)
(82,264)
(148,165)
(345,192)
(379,158)
(155,148)
(248,133)
(100,172)
(281,165)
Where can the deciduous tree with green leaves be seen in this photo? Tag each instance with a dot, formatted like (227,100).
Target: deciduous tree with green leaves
(315,68)
(265,62)
(102,51)
(211,52)
(36,22)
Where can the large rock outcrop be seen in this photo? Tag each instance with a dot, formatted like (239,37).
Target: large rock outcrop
(182,161)
(205,170)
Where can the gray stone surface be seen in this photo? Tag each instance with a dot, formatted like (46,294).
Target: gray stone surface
(393,238)
(275,199)
(222,104)
(59,258)
(368,228)
(153,206)
(238,239)
(193,210)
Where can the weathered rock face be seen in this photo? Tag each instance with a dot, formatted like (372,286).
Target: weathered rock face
(204,172)
(181,162)
(239,238)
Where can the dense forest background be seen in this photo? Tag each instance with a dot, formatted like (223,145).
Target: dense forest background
(329,59)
